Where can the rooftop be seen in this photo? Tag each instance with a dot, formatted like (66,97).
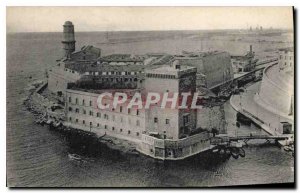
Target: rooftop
(289,49)
(187,54)
(68,23)
(123,58)
(174,69)
(94,67)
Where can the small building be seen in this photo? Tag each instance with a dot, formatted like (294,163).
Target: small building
(245,63)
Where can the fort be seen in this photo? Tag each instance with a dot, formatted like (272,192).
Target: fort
(101,94)
(80,77)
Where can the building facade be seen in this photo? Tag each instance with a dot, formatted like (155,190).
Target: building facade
(286,59)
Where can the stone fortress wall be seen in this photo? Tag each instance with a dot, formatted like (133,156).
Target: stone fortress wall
(278,98)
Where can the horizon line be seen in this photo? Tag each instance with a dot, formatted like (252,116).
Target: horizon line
(242,29)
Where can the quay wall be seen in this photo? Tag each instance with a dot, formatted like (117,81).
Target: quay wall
(166,149)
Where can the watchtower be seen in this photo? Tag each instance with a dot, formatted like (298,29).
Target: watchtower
(68,39)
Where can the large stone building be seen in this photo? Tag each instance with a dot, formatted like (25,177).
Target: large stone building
(163,133)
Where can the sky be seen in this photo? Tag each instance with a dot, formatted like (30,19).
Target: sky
(51,19)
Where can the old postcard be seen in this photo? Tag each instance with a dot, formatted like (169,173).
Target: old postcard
(150,96)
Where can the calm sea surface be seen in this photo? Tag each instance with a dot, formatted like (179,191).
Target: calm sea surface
(37,156)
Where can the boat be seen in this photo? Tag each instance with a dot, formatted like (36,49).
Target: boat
(236,144)
(235,152)
(49,121)
(74,157)
(242,152)
(56,124)
(288,148)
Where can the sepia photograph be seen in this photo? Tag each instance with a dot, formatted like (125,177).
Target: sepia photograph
(150,97)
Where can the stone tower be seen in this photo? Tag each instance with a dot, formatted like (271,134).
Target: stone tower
(167,80)
(68,39)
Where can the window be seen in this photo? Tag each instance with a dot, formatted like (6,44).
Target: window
(128,111)
(91,113)
(70,99)
(128,132)
(98,125)
(76,120)
(155,120)
(137,112)
(121,130)
(76,100)
(106,116)
(186,119)
(77,111)
(91,123)
(113,128)
(105,126)
(137,123)
(137,133)
(83,122)
(90,103)
(121,108)
(84,111)
(70,108)
(98,115)
(70,118)
(83,103)
(167,121)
